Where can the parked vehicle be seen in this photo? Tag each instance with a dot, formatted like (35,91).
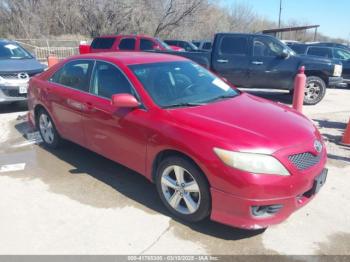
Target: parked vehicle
(203,44)
(17,65)
(329,44)
(113,43)
(210,149)
(262,61)
(341,54)
(186,45)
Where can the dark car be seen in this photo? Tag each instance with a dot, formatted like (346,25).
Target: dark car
(204,45)
(262,61)
(17,65)
(335,52)
(329,44)
(188,46)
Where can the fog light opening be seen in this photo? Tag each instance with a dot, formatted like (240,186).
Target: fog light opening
(265,211)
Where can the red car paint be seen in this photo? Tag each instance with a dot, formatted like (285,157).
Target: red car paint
(134,138)
(157,44)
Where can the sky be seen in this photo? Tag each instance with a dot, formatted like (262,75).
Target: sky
(333,16)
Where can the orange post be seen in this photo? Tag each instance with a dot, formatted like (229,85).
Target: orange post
(346,137)
(52,60)
(299,90)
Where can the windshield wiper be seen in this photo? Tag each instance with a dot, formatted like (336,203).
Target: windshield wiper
(220,98)
(184,105)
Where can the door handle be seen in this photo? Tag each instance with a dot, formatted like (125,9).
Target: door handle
(257,63)
(90,107)
(222,61)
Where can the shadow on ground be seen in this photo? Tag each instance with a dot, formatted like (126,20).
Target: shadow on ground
(13,107)
(82,163)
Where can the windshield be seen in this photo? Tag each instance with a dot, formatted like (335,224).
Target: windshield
(173,84)
(163,44)
(291,51)
(13,51)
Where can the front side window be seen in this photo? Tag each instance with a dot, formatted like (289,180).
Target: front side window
(172,84)
(266,47)
(10,50)
(207,46)
(74,74)
(108,80)
(234,45)
(341,54)
(127,44)
(146,44)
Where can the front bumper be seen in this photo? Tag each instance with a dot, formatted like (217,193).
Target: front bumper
(13,91)
(236,211)
(335,80)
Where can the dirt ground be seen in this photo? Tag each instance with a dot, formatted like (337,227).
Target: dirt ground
(73,201)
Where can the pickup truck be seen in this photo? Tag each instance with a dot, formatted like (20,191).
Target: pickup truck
(114,43)
(262,61)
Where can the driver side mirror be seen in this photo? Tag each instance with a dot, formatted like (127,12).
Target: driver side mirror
(124,101)
(285,54)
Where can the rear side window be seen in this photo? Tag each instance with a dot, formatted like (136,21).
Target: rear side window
(299,49)
(75,74)
(234,45)
(102,43)
(127,44)
(146,44)
(171,42)
(108,80)
(320,51)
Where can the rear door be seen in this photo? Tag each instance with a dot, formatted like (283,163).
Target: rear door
(231,58)
(69,91)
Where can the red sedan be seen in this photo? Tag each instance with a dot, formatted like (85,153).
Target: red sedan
(211,149)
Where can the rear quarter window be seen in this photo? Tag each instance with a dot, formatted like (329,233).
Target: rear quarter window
(102,43)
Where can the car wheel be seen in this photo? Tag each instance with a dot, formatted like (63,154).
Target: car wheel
(48,130)
(315,90)
(183,189)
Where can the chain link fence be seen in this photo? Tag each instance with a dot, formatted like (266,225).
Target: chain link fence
(42,48)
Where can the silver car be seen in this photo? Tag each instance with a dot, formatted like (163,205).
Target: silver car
(17,65)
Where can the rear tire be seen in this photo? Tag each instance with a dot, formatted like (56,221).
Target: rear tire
(183,189)
(47,130)
(315,90)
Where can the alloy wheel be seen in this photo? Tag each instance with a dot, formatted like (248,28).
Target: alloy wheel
(180,190)
(46,128)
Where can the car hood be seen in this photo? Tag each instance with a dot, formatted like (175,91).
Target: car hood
(20,65)
(248,123)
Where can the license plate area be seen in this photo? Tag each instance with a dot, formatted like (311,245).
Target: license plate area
(23,89)
(319,181)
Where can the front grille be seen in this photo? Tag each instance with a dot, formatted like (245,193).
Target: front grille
(9,75)
(12,93)
(304,160)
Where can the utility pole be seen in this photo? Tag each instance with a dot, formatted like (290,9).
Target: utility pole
(279,16)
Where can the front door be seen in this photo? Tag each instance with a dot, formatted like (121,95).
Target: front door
(268,68)
(116,133)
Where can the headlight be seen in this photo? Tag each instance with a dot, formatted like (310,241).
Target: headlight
(251,162)
(338,69)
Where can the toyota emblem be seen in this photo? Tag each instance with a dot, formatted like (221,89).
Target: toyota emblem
(318,146)
(23,76)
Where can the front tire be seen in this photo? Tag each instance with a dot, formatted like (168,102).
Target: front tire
(47,130)
(183,189)
(315,90)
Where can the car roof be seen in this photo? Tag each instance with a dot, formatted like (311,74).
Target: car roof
(5,41)
(133,58)
(126,35)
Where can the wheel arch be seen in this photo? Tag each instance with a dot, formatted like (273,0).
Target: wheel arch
(319,74)
(168,153)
